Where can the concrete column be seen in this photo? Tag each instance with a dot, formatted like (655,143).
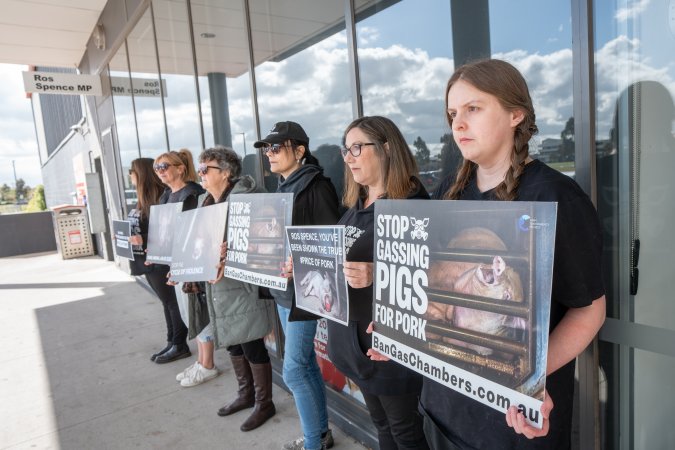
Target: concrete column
(470,30)
(220,113)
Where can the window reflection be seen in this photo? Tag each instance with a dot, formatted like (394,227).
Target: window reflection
(222,61)
(302,75)
(124,120)
(176,66)
(144,72)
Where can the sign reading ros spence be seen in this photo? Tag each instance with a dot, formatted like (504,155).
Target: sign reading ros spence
(463,295)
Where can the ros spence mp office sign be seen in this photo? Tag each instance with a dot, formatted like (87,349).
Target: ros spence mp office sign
(62,83)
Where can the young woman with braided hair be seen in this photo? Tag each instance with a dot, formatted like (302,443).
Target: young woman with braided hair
(489,108)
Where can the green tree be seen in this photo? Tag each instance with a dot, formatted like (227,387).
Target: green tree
(5,192)
(20,190)
(567,137)
(422,154)
(37,201)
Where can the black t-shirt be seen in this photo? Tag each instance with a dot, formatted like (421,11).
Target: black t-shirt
(577,281)
(347,346)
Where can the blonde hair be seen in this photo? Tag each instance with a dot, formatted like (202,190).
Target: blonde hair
(181,158)
(397,163)
(503,81)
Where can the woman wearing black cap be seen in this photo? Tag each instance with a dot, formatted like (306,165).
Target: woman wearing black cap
(315,202)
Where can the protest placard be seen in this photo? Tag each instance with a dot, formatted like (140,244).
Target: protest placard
(318,260)
(462,295)
(161,227)
(256,241)
(122,231)
(196,247)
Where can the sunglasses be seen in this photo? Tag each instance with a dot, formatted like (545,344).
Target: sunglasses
(273,149)
(203,169)
(355,149)
(161,167)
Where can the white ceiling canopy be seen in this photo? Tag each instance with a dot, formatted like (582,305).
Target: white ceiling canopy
(47,32)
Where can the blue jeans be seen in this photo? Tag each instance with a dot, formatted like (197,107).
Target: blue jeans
(303,377)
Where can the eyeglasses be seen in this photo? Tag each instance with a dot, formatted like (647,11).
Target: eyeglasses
(203,169)
(274,149)
(355,149)
(161,167)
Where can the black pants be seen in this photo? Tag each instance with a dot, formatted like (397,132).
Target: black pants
(176,331)
(398,424)
(254,351)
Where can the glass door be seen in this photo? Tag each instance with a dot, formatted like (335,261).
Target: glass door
(635,144)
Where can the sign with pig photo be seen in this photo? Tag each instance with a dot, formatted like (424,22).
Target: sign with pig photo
(161,227)
(196,246)
(318,259)
(256,241)
(463,295)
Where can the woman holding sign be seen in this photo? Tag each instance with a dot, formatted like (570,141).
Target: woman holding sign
(489,108)
(380,166)
(149,189)
(177,172)
(314,203)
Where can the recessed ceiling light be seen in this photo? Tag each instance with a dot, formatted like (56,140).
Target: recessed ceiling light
(207,35)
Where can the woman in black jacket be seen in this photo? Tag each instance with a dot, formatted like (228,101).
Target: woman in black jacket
(380,166)
(177,171)
(314,203)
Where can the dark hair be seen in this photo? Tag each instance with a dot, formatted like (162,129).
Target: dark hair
(148,185)
(505,82)
(181,158)
(397,163)
(226,158)
(307,157)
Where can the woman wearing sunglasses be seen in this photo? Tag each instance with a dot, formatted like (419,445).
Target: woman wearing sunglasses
(149,189)
(315,202)
(177,172)
(380,166)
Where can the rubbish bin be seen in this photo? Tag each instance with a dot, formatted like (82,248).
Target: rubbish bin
(73,238)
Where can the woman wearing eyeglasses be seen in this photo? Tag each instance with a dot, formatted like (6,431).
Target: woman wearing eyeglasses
(177,172)
(315,202)
(380,166)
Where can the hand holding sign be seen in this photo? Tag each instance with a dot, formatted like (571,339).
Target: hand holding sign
(358,274)
(516,420)
(136,239)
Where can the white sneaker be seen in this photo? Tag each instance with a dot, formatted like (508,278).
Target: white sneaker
(199,375)
(185,372)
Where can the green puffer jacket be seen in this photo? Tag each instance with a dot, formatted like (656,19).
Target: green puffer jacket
(237,313)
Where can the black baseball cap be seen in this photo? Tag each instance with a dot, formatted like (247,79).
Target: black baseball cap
(282,132)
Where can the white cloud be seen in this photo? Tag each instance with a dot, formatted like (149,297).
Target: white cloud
(17,132)
(632,11)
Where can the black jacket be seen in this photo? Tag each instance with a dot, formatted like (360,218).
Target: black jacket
(347,346)
(188,195)
(315,202)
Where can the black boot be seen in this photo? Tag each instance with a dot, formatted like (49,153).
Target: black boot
(174,353)
(245,394)
(162,351)
(264,408)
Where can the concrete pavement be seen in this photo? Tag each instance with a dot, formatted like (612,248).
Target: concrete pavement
(75,370)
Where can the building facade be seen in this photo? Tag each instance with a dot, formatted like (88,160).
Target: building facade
(196,73)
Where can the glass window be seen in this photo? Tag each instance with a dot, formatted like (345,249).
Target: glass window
(221,45)
(144,85)
(177,68)
(302,75)
(125,123)
(403,74)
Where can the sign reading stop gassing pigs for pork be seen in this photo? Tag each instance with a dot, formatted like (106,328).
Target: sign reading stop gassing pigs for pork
(463,295)
(256,242)
(318,258)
